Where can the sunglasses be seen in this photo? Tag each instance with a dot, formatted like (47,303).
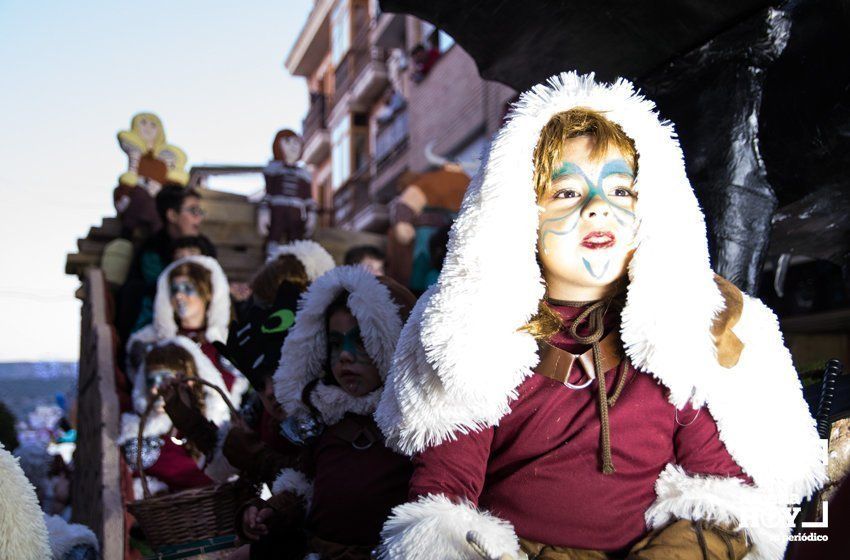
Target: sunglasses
(186,288)
(157,377)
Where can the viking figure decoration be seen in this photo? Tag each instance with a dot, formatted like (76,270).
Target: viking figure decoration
(288,211)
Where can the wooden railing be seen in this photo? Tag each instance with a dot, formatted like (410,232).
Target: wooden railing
(352,197)
(96,494)
(315,119)
(391,139)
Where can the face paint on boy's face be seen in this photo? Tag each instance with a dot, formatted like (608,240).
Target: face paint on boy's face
(350,363)
(187,302)
(347,342)
(587,225)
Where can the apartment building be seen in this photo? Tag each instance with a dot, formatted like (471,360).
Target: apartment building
(375,107)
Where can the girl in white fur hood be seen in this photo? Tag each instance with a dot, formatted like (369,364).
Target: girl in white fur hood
(169,463)
(192,300)
(331,375)
(579,383)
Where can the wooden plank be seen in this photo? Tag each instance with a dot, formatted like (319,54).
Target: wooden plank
(338,241)
(224,234)
(211,194)
(229,211)
(76,263)
(96,499)
(91,246)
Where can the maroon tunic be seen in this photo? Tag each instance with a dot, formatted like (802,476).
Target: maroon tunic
(540,468)
(176,468)
(354,489)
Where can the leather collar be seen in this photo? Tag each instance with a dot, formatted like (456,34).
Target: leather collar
(556,363)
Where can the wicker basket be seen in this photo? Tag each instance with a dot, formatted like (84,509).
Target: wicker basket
(190,515)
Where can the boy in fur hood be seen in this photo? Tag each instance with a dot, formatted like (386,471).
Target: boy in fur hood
(578,383)
(331,375)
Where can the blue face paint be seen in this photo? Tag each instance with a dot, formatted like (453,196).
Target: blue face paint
(613,167)
(589,268)
(350,342)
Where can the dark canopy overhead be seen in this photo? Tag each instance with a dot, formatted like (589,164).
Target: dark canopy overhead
(520,43)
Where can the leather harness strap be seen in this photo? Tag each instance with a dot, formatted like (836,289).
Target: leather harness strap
(556,363)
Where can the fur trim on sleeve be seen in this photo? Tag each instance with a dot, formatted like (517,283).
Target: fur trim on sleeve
(218,312)
(156,426)
(291,480)
(155,485)
(722,500)
(434,527)
(64,536)
(24,534)
(219,468)
(314,257)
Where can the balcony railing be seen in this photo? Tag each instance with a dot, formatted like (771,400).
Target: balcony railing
(391,139)
(352,197)
(356,60)
(315,119)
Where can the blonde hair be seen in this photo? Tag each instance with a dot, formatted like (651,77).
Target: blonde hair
(200,276)
(576,122)
(579,121)
(285,268)
(135,127)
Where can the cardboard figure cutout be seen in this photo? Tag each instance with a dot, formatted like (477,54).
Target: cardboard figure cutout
(428,203)
(288,211)
(152,162)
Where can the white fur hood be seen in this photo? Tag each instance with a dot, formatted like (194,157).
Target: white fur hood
(218,312)
(461,355)
(303,354)
(315,258)
(216,410)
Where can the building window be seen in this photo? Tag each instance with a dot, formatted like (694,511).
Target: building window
(340,31)
(340,153)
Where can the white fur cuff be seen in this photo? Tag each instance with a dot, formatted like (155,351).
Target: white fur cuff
(155,485)
(64,536)
(724,500)
(290,480)
(435,527)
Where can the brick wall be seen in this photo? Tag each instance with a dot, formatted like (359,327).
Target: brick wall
(452,106)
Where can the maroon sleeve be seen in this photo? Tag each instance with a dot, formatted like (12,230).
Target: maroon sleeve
(699,449)
(176,468)
(455,469)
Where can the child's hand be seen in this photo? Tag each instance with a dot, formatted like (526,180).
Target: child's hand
(254,522)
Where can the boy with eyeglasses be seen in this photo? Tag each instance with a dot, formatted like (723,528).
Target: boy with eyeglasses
(180,210)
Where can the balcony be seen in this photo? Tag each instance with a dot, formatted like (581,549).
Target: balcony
(316,136)
(374,217)
(391,140)
(388,31)
(362,72)
(313,41)
(351,198)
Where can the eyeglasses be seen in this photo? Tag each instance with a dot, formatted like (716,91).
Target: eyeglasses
(186,288)
(155,378)
(194,210)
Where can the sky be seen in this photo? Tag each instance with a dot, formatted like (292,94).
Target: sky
(73,74)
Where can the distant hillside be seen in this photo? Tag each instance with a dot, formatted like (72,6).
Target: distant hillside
(25,385)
